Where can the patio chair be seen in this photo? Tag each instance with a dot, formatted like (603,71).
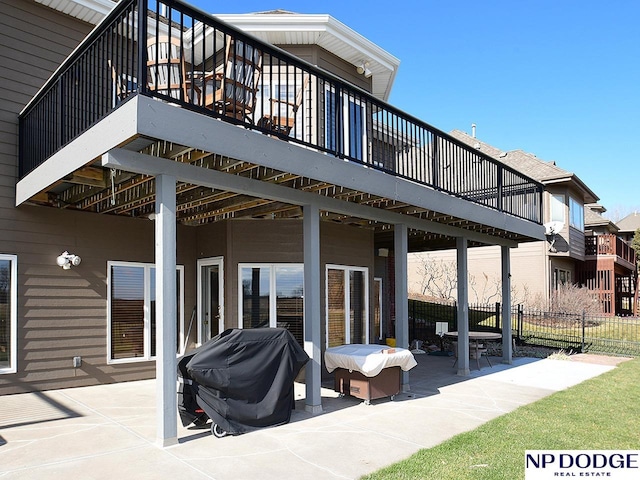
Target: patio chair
(235,81)
(123,84)
(281,115)
(165,67)
(476,350)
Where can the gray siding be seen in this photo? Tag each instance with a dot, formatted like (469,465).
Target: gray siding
(61,313)
(328,61)
(33,42)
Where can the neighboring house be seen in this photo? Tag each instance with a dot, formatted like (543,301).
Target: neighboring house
(581,247)
(610,263)
(627,226)
(209,179)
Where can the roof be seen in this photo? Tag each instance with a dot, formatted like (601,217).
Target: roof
(90,11)
(281,27)
(546,172)
(630,223)
(593,218)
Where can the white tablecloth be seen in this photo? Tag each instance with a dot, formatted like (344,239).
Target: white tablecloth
(369,360)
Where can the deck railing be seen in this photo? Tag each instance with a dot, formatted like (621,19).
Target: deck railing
(608,244)
(176,53)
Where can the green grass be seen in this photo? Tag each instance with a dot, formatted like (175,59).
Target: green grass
(599,414)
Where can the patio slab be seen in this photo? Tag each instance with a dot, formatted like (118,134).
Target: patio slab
(108,431)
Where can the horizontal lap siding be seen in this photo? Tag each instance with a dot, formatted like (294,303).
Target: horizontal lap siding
(33,41)
(61,313)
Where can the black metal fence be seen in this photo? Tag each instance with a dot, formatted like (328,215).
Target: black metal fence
(567,331)
(173,52)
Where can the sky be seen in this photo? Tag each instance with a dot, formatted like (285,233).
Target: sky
(556,78)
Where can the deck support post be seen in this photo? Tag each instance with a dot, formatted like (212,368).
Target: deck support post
(166,308)
(312,296)
(507,346)
(463,306)
(401,251)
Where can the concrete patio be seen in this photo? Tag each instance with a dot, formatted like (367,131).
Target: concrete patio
(109,431)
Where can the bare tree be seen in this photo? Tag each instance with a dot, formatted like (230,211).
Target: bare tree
(487,289)
(438,278)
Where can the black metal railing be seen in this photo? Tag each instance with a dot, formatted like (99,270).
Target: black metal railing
(171,51)
(577,332)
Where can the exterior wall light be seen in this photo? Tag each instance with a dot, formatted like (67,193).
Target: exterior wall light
(67,259)
(363,69)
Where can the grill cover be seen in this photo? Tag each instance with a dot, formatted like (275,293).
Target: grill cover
(242,379)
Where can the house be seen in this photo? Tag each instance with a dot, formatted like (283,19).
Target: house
(627,226)
(581,247)
(167,175)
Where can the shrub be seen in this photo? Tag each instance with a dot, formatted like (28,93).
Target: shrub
(570,299)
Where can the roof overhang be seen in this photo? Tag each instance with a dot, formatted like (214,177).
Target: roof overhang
(90,11)
(280,29)
(326,32)
(589,195)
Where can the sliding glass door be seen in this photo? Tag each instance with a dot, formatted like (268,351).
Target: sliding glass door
(347,305)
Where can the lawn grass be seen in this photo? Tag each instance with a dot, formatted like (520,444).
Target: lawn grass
(599,414)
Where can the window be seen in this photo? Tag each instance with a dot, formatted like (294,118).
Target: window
(272,295)
(576,214)
(350,113)
(347,305)
(132,311)
(557,208)
(8,313)
(561,277)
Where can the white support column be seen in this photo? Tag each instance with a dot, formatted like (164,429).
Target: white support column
(312,301)
(165,246)
(507,342)
(463,307)
(401,251)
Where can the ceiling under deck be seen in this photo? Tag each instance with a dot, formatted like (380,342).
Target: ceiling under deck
(107,191)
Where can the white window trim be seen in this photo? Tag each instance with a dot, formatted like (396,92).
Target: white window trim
(347,301)
(147,312)
(272,289)
(206,262)
(13,315)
